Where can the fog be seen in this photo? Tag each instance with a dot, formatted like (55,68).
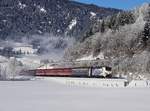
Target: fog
(48,46)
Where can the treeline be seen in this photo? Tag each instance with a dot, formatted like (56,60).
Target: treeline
(111,22)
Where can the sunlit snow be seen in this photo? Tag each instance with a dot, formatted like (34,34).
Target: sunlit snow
(21,5)
(72,24)
(43,10)
(93,14)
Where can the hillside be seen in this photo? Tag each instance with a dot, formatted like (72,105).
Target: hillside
(122,39)
(20,18)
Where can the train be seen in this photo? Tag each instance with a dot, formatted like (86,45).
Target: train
(99,71)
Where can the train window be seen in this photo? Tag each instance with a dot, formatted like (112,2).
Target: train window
(108,68)
(96,71)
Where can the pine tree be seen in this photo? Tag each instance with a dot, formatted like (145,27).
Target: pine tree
(103,27)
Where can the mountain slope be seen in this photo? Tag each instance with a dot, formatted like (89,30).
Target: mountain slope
(123,40)
(58,17)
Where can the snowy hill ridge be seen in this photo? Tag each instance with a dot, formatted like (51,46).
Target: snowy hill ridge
(58,17)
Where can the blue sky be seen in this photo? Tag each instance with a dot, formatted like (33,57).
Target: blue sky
(121,4)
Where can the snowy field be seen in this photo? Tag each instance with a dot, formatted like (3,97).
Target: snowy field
(50,96)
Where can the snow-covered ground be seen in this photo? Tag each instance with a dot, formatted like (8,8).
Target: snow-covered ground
(50,96)
(31,61)
(90,57)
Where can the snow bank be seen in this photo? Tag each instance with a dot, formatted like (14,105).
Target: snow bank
(98,82)
(139,84)
(89,82)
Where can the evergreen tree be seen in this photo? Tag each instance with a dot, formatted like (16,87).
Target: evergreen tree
(103,27)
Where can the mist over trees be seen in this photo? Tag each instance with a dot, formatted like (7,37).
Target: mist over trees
(123,39)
